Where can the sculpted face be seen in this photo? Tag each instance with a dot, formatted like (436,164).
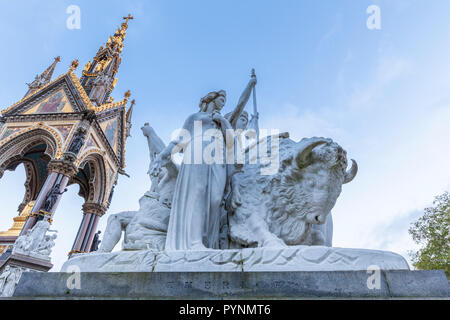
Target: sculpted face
(219,103)
(242,122)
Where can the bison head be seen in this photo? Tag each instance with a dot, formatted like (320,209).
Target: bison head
(309,183)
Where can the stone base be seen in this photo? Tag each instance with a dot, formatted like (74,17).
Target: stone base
(235,285)
(299,258)
(15,265)
(26,262)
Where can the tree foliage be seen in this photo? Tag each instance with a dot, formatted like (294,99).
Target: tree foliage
(431,231)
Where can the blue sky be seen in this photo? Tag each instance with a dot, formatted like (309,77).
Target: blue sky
(383,95)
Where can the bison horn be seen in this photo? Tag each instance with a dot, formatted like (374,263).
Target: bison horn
(351,173)
(302,157)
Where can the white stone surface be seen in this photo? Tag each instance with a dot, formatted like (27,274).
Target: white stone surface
(200,188)
(197,261)
(284,215)
(293,205)
(36,242)
(295,258)
(147,228)
(283,199)
(9,279)
(121,261)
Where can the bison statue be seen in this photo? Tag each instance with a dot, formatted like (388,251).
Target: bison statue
(293,206)
(290,207)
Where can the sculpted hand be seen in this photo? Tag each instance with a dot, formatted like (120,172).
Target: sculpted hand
(217,117)
(233,200)
(236,199)
(221,121)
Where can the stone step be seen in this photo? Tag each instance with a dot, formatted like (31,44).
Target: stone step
(235,285)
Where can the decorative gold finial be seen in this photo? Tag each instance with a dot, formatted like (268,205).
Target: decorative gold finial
(133,102)
(87,66)
(58,59)
(127,95)
(74,65)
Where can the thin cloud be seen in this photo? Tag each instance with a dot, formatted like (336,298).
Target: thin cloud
(388,70)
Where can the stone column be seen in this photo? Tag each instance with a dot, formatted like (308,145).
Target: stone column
(76,248)
(92,228)
(88,228)
(34,214)
(63,181)
(59,172)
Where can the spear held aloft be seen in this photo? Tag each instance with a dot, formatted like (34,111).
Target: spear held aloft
(255,108)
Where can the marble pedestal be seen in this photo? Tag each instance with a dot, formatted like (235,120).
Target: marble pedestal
(12,268)
(35,263)
(234,285)
(301,272)
(298,258)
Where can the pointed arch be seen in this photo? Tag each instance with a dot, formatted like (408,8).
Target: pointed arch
(92,176)
(34,148)
(15,146)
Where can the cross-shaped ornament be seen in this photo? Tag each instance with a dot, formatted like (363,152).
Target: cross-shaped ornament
(130,17)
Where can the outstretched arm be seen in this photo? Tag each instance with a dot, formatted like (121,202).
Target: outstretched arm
(245,96)
(155,144)
(155,147)
(163,158)
(64,191)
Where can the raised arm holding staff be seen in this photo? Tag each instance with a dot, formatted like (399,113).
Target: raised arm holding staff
(238,118)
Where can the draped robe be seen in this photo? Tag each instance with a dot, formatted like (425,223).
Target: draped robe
(196,206)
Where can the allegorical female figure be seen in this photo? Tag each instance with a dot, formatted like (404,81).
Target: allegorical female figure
(200,188)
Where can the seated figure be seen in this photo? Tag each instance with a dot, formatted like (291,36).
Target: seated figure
(146,228)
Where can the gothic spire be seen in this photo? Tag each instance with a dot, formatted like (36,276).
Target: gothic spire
(99,75)
(41,80)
